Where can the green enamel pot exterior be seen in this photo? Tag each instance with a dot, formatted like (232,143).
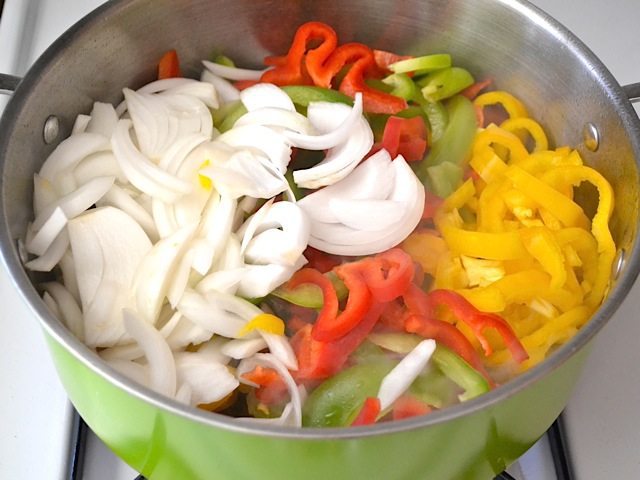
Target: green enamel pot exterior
(562,83)
(166,446)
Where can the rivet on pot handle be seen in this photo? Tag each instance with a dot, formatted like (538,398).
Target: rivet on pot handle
(8,83)
(632,91)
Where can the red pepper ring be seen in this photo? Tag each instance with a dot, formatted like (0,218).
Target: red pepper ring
(422,321)
(169,65)
(478,321)
(388,274)
(369,412)
(319,360)
(329,309)
(327,329)
(290,69)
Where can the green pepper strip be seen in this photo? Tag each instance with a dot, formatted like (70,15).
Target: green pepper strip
(304,95)
(453,146)
(337,401)
(402,85)
(227,115)
(461,373)
(309,295)
(422,64)
(445,83)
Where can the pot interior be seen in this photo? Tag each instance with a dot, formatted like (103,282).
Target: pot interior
(520,49)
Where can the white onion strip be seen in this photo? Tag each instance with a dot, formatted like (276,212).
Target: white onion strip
(232,73)
(162,367)
(398,380)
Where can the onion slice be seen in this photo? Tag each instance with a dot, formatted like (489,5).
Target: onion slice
(232,73)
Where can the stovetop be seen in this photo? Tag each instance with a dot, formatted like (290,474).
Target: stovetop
(601,421)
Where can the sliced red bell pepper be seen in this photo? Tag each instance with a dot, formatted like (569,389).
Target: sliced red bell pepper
(383,59)
(473,91)
(406,137)
(318,360)
(432,203)
(329,310)
(242,84)
(387,275)
(423,322)
(326,328)
(369,412)
(393,317)
(478,321)
(272,390)
(407,406)
(302,63)
(324,262)
(169,65)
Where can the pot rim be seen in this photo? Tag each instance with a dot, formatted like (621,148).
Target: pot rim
(55,329)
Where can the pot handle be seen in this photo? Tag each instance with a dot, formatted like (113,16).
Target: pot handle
(8,83)
(632,91)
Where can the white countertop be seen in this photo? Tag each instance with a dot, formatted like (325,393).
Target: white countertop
(603,420)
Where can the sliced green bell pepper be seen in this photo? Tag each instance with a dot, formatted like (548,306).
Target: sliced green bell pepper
(426,63)
(444,178)
(445,83)
(226,116)
(303,95)
(465,376)
(402,85)
(309,295)
(337,401)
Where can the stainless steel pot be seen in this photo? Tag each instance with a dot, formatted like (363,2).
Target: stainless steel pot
(525,51)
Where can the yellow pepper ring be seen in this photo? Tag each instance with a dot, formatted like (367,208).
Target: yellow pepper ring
(514,107)
(572,175)
(265,322)
(514,125)
(494,135)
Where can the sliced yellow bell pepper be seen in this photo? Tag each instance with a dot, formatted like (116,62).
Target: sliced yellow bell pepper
(542,245)
(514,107)
(493,135)
(534,129)
(573,175)
(263,321)
(563,208)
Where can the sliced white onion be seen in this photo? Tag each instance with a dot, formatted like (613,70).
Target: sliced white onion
(154,273)
(280,348)
(141,172)
(43,194)
(186,332)
(240,348)
(107,246)
(209,315)
(209,381)
(372,179)
(266,140)
(103,119)
(280,236)
(133,370)
(119,198)
(339,160)
(266,95)
(271,361)
(276,118)
(225,281)
(52,256)
(76,202)
(334,121)
(203,91)
(183,394)
(69,309)
(338,239)
(101,164)
(225,89)
(80,124)
(71,151)
(48,232)
(162,367)
(232,73)
(260,280)
(398,380)
(69,279)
